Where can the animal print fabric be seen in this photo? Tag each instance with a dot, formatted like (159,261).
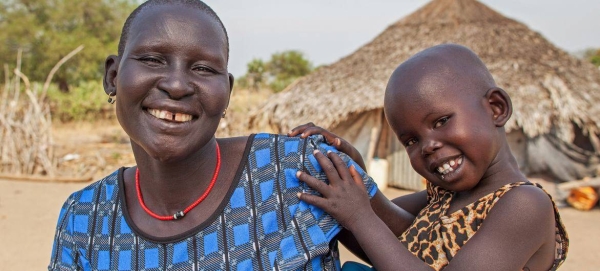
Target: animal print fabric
(435,236)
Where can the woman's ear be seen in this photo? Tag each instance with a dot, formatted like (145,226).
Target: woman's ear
(111,66)
(501,105)
(231,80)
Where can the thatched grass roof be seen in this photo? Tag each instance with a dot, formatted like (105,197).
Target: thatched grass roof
(550,89)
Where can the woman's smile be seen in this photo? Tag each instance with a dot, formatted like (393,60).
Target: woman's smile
(168,123)
(169,116)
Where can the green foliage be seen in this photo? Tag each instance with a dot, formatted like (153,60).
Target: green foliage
(279,72)
(256,72)
(285,67)
(47,30)
(593,55)
(288,64)
(87,101)
(595,59)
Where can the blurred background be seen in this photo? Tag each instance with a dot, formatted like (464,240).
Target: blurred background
(294,62)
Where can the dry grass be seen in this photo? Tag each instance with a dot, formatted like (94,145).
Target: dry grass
(26,143)
(25,129)
(242,103)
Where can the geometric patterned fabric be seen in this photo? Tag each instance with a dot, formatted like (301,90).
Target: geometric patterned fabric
(263,226)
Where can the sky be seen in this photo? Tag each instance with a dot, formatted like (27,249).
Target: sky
(327,30)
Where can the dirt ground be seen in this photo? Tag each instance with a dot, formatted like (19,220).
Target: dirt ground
(29,210)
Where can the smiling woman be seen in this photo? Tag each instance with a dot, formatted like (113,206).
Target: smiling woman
(193,202)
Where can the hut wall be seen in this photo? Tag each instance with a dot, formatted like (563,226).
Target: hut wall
(517,141)
(564,161)
(357,130)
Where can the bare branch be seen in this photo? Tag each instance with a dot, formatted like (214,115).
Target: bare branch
(55,69)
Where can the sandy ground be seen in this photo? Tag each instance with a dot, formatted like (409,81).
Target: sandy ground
(28,214)
(29,211)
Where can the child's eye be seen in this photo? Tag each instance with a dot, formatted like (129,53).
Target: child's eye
(410,142)
(441,121)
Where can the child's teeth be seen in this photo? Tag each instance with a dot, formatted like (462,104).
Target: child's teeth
(446,166)
(460,160)
(452,163)
(440,169)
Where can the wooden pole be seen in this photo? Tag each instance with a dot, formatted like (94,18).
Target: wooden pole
(594,182)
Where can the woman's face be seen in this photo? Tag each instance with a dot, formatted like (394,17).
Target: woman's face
(172,82)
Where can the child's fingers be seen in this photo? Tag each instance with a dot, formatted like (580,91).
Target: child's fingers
(330,171)
(300,129)
(310,128)
(357,178)
(340,166)
(314,200)
(330,138)
(313,183)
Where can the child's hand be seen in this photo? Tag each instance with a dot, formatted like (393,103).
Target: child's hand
(339,143)
(345,198)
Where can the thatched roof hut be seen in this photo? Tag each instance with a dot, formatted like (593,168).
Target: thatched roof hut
(552,91)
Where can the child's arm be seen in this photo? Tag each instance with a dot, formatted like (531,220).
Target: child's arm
(345,198)
(513,232)
(393,213)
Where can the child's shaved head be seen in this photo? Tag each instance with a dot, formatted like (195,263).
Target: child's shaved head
(448,65)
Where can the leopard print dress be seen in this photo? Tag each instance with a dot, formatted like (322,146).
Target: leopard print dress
(435,237)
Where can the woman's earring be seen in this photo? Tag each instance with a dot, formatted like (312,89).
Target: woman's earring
(112,97)
(224,113)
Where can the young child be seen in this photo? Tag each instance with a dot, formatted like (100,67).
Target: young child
(479,211)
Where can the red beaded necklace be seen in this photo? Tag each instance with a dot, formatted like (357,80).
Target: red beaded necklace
(179,214)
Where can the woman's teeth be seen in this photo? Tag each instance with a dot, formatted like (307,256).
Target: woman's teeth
(166,115)
(449,166)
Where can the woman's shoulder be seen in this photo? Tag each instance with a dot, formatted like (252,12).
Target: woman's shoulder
(105,189)
(286,144)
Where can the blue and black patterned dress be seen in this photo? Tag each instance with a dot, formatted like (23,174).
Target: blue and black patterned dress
(260,226)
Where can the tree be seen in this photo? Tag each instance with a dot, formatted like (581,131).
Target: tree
(256,73)
(595,59)
(279,72)
(288,64)
(592,55)
(47,30)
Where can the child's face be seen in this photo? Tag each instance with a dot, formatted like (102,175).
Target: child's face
(172,82)
(445,125)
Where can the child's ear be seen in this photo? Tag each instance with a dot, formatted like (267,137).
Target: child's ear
(111,66)
(500,104)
